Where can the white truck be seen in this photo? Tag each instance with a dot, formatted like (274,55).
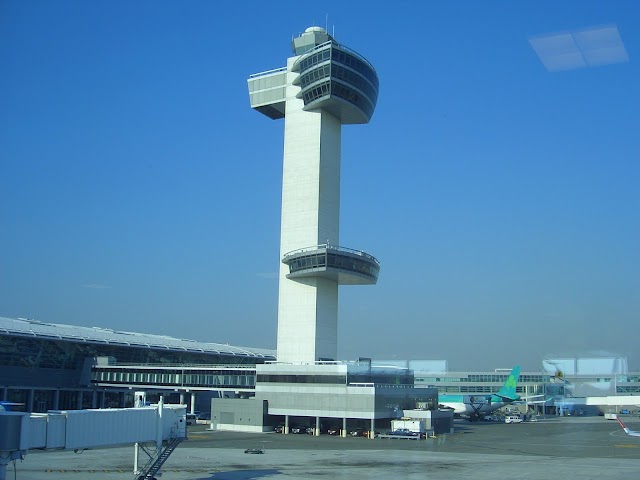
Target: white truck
(512,418)
(416,427)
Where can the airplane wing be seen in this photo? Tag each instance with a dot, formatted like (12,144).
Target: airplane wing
(507,399)
(626,429)
(532,396)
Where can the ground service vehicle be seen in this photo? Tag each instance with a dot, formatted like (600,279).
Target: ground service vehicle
(412,426)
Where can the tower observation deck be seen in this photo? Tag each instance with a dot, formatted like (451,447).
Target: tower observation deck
(324,86)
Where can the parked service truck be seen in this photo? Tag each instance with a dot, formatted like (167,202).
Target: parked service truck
(409,425)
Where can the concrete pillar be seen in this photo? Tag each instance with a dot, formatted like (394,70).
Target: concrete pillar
(286,425)
(79,400)
(193,402)
(103,398)
(181,398)
(94,399)
(136,457)
(56,399)
(317,429)
(123,399)
(372,429)
(343,432)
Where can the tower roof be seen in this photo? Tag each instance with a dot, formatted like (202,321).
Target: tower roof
(312,37)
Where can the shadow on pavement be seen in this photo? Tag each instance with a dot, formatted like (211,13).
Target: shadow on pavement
(241,475)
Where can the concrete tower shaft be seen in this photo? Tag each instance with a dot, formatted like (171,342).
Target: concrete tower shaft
(324,86)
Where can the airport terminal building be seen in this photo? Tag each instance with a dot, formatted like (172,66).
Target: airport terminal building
(52,366)
(45,366)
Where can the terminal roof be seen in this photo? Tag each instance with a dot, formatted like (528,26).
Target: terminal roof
(35,328)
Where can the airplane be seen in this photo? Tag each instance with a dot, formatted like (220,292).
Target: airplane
(626,429)
(475,407)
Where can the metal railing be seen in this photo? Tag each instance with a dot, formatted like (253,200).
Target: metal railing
(334,248)
(380,385)
(268,72)
(158,457)
(184,366)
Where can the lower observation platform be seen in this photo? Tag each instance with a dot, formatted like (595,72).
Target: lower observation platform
(344,265)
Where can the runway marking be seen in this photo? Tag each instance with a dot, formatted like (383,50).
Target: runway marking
(174,470)
(68,470)
(559,445)
(626,445)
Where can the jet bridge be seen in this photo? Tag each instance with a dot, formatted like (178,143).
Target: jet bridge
(162,425)
(614,400)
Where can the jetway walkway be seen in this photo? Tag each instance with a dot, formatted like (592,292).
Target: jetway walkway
(162,425)
(614,400)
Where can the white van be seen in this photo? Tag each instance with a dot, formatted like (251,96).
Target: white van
(513,419)
(191,418)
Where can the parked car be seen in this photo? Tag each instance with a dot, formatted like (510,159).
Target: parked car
(254,450)
(333,431)
(279,428)
(298,429)
(367,434)
(356,432)
(403,432)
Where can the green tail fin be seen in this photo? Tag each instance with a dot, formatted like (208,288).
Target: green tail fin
(508,390)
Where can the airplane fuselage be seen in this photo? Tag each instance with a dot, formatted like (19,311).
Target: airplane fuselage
(472,405)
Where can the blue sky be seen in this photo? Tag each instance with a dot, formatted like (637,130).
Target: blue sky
(140,192)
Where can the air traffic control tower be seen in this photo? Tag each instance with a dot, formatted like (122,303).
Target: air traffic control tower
(324,86)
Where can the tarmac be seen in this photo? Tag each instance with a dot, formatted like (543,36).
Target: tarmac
(584,447)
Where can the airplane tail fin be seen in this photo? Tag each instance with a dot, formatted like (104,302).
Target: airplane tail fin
(508,390)
(624,427)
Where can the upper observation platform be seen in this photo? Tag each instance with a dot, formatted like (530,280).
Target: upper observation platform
(331,77)
(338,80)
(344,265)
